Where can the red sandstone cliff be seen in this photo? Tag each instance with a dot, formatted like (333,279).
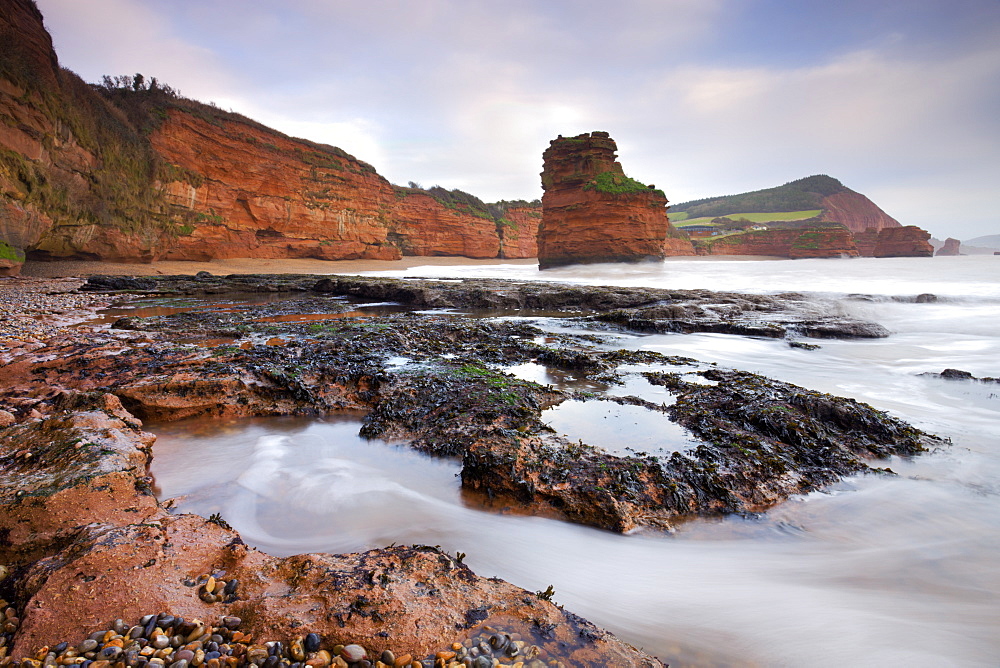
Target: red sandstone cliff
(592,212)
(27,45)
(255,193)
(855,212)
(57,186)
(424,227)
(791,243)
(907,241)
(80,178)
(519,232)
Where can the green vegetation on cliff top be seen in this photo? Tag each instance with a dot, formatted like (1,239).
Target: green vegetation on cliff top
(685,221)
(801,195)
(463,202)
(118,190)
(619,184)
(147,101)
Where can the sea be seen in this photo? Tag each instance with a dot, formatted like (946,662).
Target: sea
(899,570)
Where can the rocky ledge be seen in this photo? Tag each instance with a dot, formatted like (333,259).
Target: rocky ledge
(83,541)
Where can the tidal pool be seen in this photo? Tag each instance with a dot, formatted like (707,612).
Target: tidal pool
(618,429)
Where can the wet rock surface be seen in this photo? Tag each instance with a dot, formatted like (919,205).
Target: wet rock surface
(85,542)
(960,374)
(636,309)
(82,540)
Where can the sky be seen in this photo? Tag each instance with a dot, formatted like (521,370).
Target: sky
(899,99)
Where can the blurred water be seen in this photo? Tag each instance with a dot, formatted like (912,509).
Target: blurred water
(876,571)
(963,276)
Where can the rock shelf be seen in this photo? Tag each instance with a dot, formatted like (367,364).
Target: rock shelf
(83,541)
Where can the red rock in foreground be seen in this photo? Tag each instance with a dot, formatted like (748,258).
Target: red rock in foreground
(592,212)
(85,543)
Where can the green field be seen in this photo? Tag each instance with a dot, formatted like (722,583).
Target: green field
(684,221)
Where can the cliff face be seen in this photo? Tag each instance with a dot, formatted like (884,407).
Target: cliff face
(247,192)
(592,212)
(140,175)
(855,212)
(26,45)
(519,232)
(422,226)
(790,243)
(907,241)
(76,178)
(951,247)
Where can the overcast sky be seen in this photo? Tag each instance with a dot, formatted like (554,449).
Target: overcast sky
(899,99)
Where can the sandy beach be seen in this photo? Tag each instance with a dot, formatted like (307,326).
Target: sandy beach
(65,268)
(248,266)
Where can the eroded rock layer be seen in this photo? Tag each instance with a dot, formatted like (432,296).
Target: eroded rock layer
(135,173)
(855,211)
(908,241)
(85,543)
(519,235)
(592,212)
(818,242)
(791,243)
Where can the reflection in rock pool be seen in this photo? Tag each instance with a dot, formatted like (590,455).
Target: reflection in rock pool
(618,429)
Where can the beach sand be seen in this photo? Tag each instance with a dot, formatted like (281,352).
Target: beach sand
(248,266)
(66,268)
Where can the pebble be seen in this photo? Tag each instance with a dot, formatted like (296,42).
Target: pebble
(166,641)
(353,653)
(32,311)
(231,622)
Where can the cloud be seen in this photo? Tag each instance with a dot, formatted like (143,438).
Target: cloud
(126,36)
(704,97)
(874,120)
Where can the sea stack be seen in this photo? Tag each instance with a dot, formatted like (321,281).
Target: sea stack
(951,247)
(592,212)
